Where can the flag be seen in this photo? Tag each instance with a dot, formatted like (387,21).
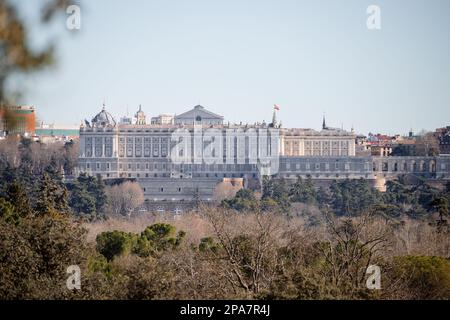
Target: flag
(276,107)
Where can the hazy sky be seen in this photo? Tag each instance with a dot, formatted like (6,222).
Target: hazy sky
(239,57)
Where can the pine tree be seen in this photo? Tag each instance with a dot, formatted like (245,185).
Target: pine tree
(46,190)
(99,194)
(16,195)
(81,201)
(51,197)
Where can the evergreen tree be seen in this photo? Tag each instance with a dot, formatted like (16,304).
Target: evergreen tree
(81,201)
(99,194)
(243,200)
(323,197)
(440,204)
(16,195)
(52,197)
(303,191)
(8,212)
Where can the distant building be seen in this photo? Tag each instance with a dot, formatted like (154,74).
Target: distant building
(20,120)
(443,136)
(163,119)
(199,115)
(48,133)
(384,150)
(362,147)
(140,117)
(126,120)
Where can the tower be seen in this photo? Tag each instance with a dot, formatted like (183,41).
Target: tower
(140,116)
(274,119)
(324,125)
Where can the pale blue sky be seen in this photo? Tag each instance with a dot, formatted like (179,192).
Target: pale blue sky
(239,57)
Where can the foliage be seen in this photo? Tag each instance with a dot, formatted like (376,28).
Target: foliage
(242,201)
(277,191)
(423,277)
(16,50)
(125,197)
(303,191)
(154,240)
(34,255)
(51,197)
(113,243)
(350,197)
(88,196)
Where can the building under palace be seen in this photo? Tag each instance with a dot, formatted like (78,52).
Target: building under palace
(178,158)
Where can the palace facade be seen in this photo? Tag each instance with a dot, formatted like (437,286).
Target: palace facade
(186,156)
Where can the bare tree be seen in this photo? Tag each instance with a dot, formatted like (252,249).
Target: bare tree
(125,197)
(351,245)
(247,256)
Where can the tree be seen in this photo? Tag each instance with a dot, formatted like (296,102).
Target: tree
(125,197)
(352,245)
(447,187)
(226,190)
(16,195)
(421,277)
(246,260)
(154,240)
(98,192)
(243,200)
(161,237)
(113,243)
(440,204)
(323,196)
(351,197)
(51,198)
(81,201)
(8,212)
(276,190)
(71,151)
(427,145)
(88,196)
(35,254)
(303,191)
(17,54)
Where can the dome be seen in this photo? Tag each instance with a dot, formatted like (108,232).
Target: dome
(103,119)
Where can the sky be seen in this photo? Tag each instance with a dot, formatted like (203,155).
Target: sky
(240,57)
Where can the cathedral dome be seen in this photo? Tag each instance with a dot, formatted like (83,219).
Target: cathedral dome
(103,119)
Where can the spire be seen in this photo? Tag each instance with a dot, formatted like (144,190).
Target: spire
(324,125)
(140,116)
(274,118)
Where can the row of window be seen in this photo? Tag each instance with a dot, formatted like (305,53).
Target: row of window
(195,175)
(319,166)
(317,175)
(404,166)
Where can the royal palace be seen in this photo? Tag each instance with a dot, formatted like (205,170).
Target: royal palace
(177,158)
